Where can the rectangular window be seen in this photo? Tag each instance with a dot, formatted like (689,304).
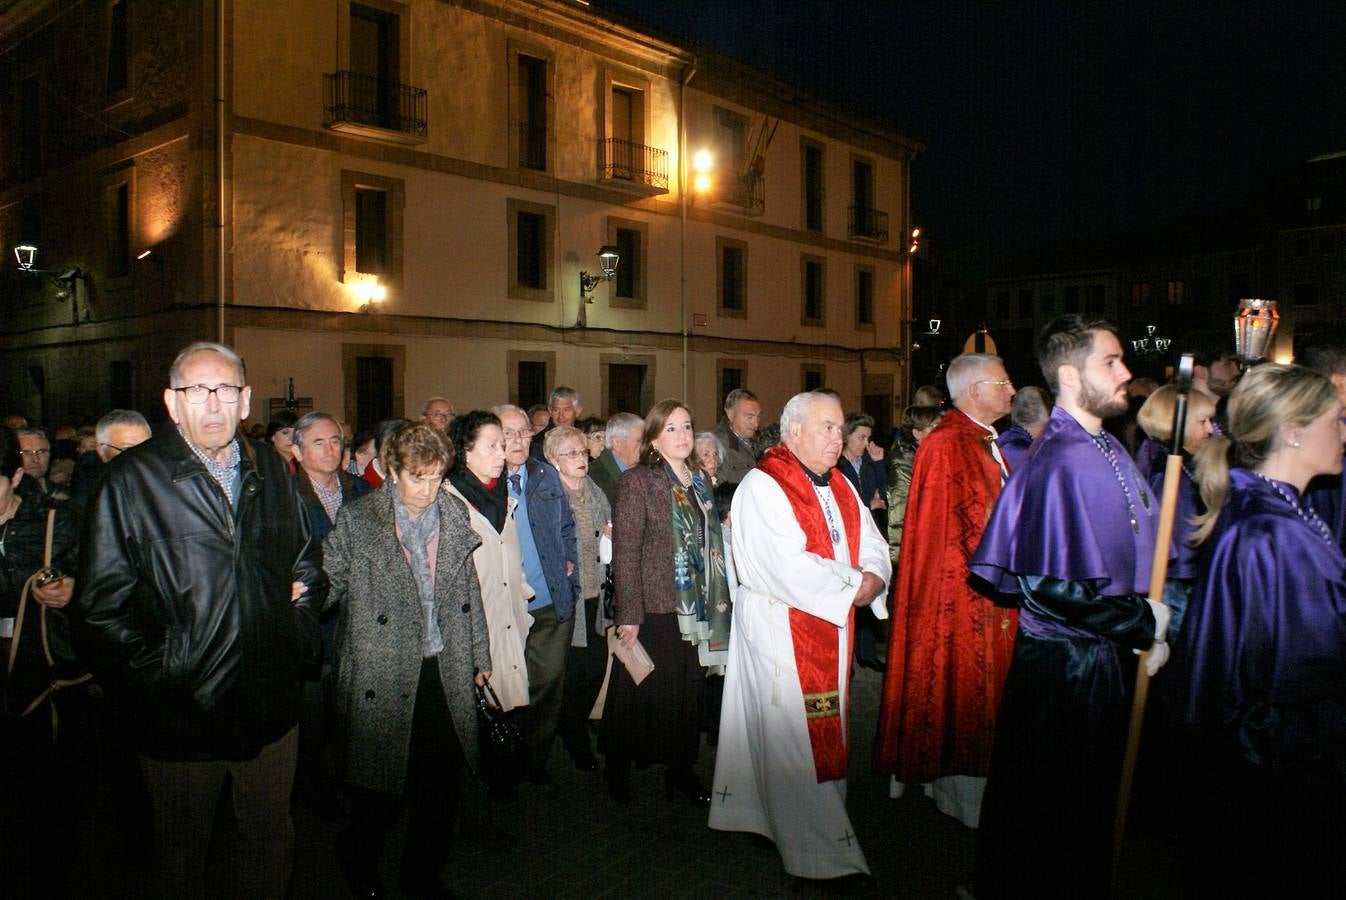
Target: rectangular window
(371,231)
(373,390)
(732,277)
(121,394)
(1026,304)
(1201,290)
(532,113)
(811,376)
(864,296)
(30,127)
(1175,293)
(375,65)
(532,383)
(1140,293)
(1002,305)
(118,49)
(1093,299)
(731,378)
(532,233)
(731,141)
(1071,300)
(371,227)
(862,184)
(1306,295)
(530,272)
(812,175)
(119,231)
(629,266)
(812,285)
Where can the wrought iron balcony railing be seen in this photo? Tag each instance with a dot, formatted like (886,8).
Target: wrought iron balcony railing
(871,224)
(746,192)
(533,146)
(354,99)
(637,163)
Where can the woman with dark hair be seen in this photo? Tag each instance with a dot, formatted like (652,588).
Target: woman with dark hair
(917,422)
(479,445)
(411,642)
(1265,645)
(595,435)
(673,599)
(280,434)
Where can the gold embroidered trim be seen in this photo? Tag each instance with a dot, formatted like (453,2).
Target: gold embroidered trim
(823,705)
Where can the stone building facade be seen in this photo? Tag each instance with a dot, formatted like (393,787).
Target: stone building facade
(286,163)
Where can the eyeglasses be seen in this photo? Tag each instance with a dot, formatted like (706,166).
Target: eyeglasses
(573,454)
(115,447)
(1003,383)
(512,435)
(196,394)
(34,454)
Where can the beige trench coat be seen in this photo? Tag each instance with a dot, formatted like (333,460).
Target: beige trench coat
(504,597)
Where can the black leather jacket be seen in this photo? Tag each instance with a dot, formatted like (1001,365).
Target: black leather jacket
(184,611)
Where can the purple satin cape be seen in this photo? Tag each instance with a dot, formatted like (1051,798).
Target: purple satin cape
(1267,622)
(1063,514)
(1014,443)
(1183,556)
(1150,457)
(1327,495)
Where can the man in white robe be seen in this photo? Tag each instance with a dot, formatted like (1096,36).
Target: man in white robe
(773,774)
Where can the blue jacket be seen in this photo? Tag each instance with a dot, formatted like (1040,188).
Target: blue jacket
(871,480)
(553,529)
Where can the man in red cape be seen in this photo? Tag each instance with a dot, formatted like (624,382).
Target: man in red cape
(949,648)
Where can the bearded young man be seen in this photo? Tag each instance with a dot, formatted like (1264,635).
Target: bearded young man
(1070,540)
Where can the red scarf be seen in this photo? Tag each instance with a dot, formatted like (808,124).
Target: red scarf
(815,639)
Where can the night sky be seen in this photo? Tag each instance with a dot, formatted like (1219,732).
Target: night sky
(1047,120)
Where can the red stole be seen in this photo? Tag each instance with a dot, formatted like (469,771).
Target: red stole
(815,639)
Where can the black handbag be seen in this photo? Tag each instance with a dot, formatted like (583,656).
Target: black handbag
(504,754)
(607,595)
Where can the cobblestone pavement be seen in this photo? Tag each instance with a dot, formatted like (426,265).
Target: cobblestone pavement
(573,841)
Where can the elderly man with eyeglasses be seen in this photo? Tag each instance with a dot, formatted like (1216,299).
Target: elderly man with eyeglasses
(198,614)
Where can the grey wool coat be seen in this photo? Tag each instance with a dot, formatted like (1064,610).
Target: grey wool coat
(378,647)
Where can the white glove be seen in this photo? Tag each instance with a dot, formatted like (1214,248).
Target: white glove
(1158,656)
(1161,617)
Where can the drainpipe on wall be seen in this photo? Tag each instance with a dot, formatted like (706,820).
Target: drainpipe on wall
(219,168)
(688,73)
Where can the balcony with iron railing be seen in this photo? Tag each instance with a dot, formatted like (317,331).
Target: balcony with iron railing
(741,193)
(633,166)
(868,224)
(367,106)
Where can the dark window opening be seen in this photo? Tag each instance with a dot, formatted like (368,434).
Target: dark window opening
(863,184)
(371,231)
(626,388)
(813,379)
(119,237)
(1025,304)
(628,268)
(30,127)
(373,390)
(118,49)
(532,384)
(864,297)
(1071,300)
(533,113)
(813,187)
(813,291)
(121,394)
(731,379)
(530,268)
(731,278)
(1093,299)
(1002,305)
(375,63)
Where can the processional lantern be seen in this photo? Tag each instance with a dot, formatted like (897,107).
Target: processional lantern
(1254,327)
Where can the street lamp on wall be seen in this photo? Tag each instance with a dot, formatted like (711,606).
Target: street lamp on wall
(608,257)
(369,292)
(66,280)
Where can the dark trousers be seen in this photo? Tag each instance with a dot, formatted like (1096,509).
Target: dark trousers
(585,667)
(545,654)
(183,800)
(434,766)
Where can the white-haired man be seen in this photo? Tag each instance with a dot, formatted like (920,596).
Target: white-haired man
(949,647)
(807,553)
(621,438)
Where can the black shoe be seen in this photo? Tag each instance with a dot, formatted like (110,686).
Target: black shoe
(852,885)
(619,783)
(432,889)
(583,759)
(490,836)
(362,872)
(874,664)
(686,782)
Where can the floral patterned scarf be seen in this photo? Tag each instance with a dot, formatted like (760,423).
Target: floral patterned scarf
(699,579)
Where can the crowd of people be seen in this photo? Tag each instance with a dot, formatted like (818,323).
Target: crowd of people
(302,612)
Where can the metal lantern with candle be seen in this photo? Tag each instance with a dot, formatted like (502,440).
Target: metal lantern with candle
(1254,327)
